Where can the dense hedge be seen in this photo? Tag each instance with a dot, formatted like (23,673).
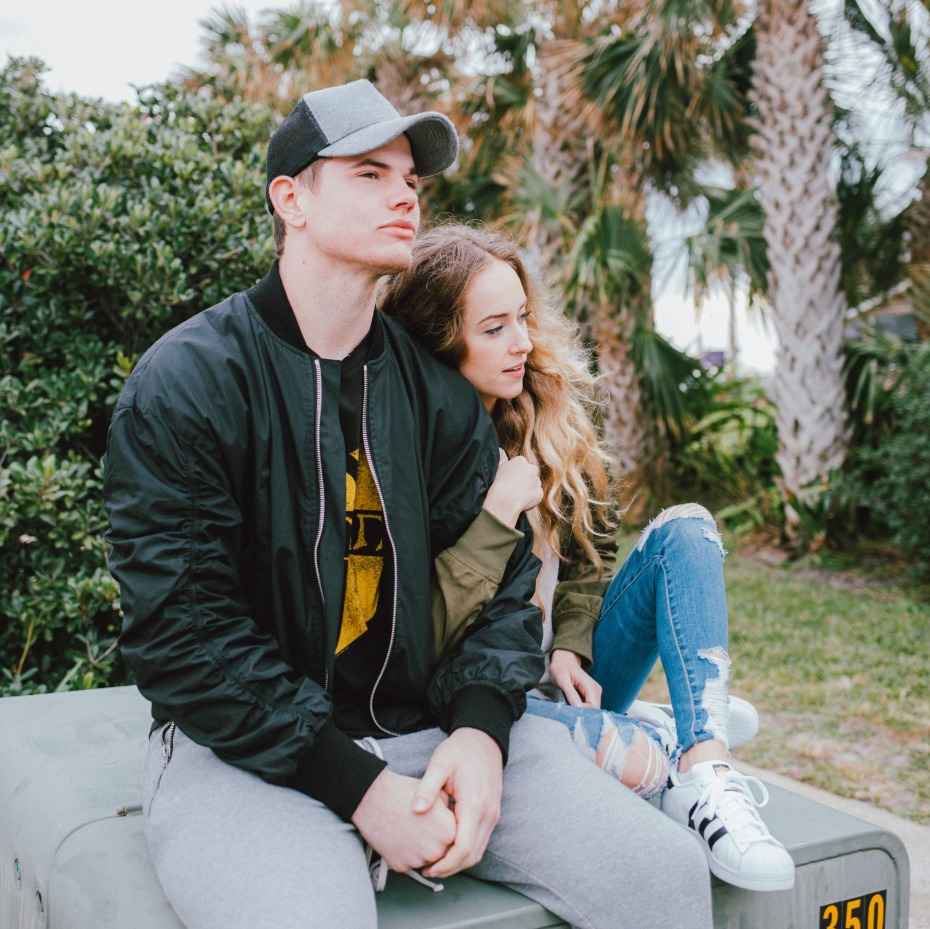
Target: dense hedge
(116,223)
(890,473)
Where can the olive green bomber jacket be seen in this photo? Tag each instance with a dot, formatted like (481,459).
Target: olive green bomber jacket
(467,574)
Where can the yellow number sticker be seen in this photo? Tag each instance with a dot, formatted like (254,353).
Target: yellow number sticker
(865,912)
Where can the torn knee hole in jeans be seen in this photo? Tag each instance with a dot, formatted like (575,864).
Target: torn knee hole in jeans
(638,764)
(684,511)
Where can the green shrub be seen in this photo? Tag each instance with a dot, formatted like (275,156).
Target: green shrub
(116,223)
(894,474)
(725,455)
(59,603)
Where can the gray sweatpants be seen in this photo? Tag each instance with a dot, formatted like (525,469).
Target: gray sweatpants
(232,851)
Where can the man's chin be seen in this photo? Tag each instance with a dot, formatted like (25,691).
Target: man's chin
(398,261)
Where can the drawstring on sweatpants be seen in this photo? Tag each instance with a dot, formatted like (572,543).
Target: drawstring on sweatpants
(377,867)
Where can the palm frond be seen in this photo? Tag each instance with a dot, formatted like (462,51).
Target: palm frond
(729,244)
(610,262)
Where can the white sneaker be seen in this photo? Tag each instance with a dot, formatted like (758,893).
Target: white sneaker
(743,722)
(661,717)
(742,725)
(718,804)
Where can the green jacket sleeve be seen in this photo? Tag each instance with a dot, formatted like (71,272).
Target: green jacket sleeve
(576,605)
(466,576)
(468,573)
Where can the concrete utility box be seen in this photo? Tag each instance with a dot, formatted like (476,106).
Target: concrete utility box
(72,853)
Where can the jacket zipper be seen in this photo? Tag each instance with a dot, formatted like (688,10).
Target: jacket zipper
(387,530)
(166,734)
(167,743)
(319,533)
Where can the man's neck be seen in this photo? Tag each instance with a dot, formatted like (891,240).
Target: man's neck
(334,304)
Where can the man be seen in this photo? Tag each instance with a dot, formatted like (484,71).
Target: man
(281,471)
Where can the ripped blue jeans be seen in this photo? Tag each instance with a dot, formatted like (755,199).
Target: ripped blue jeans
(666,602)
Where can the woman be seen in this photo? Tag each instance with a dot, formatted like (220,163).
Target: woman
(471,300)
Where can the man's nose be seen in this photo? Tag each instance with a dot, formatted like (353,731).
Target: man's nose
(405,195)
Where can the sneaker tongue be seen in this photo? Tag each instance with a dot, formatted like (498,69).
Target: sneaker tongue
(720,767)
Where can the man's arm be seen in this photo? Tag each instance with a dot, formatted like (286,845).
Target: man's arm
(176,536)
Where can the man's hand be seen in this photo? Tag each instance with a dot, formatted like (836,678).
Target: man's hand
(515,488)
(406,840)
(468,767)
(579,687)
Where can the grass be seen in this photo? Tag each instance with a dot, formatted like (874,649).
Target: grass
(838,664)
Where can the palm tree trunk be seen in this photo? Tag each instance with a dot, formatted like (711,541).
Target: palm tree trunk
(625,434)
(918,266)
(794,144)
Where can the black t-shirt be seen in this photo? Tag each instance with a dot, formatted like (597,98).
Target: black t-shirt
(366,619)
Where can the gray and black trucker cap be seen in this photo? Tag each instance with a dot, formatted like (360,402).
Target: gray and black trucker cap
(352,119)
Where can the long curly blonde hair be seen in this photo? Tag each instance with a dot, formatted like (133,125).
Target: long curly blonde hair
(552,421)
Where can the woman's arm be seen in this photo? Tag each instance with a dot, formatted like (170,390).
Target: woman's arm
(468,574)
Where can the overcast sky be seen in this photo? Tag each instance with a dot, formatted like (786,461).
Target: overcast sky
(101,48)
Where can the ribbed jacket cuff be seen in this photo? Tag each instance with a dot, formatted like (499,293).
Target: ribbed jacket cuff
(336,771)
(484,708)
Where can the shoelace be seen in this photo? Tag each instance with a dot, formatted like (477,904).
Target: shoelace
(377,867)
(731,794)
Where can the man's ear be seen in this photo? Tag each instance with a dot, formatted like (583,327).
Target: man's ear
(282,192)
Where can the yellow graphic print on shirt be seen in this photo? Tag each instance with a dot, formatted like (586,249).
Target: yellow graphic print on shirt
(364,550)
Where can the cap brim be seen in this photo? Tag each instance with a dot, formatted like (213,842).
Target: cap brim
(434,143)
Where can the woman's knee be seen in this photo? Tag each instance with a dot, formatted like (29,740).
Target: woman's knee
(686,523)
(634,759)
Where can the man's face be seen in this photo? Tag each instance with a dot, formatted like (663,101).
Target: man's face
(363,210)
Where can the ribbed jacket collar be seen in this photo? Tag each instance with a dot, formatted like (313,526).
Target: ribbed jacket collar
(270,301)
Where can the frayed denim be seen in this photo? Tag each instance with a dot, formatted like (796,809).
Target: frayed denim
(666,602)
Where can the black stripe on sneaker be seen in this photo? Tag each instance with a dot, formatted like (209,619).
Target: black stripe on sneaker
(719,834)
(691,822)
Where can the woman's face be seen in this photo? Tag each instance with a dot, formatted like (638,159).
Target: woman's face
(496,340)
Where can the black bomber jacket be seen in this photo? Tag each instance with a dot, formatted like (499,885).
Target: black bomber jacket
(225,490)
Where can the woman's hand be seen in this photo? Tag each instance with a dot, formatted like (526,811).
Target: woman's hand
(516,488)
(579,687)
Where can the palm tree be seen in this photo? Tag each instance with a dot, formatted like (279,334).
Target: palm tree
(288,51)
(900,31)
(535,154)
(652,92)
(795,144)
(918,270)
